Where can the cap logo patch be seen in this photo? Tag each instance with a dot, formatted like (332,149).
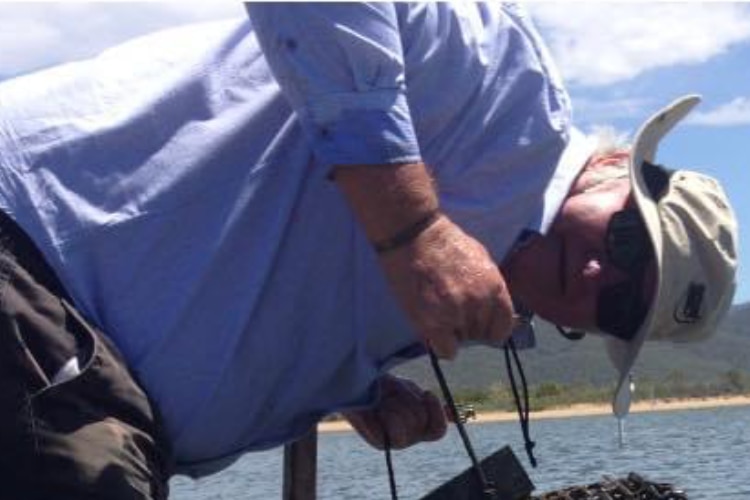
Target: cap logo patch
(690,310)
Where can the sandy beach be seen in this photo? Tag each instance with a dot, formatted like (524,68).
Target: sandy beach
(585,410)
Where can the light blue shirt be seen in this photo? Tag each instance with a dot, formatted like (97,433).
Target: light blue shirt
(178,185)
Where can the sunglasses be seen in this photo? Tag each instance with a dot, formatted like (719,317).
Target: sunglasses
(621,308)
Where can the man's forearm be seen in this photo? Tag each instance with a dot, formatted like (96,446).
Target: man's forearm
(445,281)
(387,198)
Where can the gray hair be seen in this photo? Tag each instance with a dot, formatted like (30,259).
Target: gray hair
(609,143)
(609,140)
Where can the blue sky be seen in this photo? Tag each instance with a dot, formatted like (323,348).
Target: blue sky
(622,61)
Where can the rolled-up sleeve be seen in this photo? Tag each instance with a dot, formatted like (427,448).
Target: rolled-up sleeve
(341,67)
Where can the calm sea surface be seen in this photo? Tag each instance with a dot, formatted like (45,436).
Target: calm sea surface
(704,452)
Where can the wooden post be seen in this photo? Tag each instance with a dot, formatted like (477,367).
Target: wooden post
(300,470)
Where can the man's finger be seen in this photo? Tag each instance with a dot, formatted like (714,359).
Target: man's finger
(482,322)
(367,425)
(501,323)
(444,344)
(437,425)
(403,426)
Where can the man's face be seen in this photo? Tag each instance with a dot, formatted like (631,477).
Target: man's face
(561,275)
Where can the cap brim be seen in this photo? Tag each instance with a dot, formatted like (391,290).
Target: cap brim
(623,354)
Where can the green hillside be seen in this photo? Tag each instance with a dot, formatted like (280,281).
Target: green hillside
(558,360)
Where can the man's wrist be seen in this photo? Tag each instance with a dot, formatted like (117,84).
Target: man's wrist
(406,235)
(388,199)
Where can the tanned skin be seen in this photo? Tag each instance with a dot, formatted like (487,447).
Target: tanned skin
(445,281)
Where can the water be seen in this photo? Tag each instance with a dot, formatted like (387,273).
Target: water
(705,452)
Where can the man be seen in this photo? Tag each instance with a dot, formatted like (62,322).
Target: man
(247,235)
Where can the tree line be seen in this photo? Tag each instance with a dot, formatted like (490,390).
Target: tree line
(676,385)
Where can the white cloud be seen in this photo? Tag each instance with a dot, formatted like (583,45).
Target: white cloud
(40,34)
(733,113)
(603,43)
(613,108)
(593,43)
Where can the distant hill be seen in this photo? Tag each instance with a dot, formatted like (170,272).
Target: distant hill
(560,360)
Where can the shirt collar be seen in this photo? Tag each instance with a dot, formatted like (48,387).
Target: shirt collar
(578,150)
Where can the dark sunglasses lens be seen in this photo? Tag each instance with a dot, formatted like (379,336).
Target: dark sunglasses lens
(619,311)
(628,244)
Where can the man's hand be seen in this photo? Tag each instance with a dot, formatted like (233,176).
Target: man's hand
(446,282)
(407,413)
(450,288)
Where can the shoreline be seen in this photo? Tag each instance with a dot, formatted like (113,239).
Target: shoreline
(584,410)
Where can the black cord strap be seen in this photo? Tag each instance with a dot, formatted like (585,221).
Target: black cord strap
(523,415)
(487,486)
(389,460)
(406,236)
(523,411)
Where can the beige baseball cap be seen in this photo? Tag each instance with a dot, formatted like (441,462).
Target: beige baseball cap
(694,234)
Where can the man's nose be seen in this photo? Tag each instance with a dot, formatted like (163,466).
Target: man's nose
(592,269)
(597,271)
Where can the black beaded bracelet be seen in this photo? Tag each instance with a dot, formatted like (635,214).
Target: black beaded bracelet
(407,235)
